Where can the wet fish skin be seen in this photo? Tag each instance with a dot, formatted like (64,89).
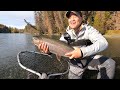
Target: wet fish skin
(57,47)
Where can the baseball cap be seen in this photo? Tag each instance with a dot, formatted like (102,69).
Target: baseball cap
(75,12)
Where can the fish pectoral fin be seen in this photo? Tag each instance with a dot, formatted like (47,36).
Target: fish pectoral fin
(55,56)
(58,57)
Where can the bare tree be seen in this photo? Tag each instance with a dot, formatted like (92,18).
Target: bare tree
(59,21)
(86,15)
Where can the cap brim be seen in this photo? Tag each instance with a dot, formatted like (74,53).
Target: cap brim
(68,13)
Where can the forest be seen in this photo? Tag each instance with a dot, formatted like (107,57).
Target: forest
(55,22)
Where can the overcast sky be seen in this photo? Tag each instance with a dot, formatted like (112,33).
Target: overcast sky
(16,18)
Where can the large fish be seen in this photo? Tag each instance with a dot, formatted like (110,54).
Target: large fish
(58,47)
(55,46)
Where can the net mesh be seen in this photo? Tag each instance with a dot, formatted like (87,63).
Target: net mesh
(40,62)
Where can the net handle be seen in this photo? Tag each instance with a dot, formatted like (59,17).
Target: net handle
(59,73)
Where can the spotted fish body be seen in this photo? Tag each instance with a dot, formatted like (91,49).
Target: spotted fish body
(57,47)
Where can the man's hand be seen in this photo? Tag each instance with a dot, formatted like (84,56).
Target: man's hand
(75,53)
(44,47)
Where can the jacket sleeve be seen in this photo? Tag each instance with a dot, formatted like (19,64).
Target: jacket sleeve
(99,42)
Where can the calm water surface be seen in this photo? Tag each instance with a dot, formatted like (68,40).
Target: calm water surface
(10,46)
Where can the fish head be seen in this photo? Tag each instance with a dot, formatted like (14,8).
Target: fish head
(36,41)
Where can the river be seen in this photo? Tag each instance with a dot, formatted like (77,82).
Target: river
(10,46)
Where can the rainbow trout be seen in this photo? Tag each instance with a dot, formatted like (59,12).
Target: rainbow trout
(55,46)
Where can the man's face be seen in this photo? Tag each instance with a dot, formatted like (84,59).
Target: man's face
(74,21)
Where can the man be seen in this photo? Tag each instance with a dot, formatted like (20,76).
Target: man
(84,57)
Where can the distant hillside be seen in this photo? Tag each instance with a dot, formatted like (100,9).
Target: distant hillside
(4,29)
